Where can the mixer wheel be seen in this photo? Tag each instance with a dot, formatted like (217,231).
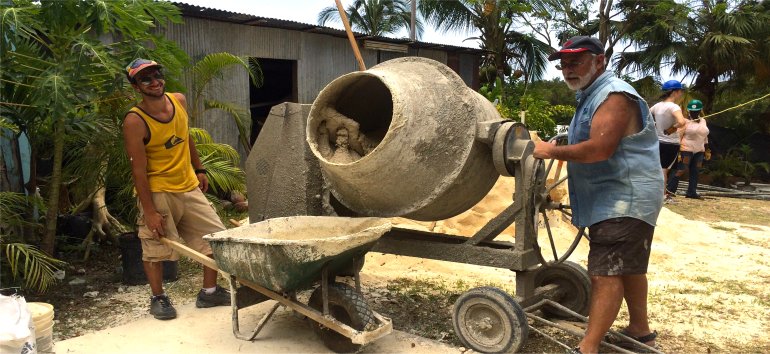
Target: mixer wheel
(347,306)
(488,320)
(575,284)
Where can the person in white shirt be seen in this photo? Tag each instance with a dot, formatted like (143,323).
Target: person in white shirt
(668,119)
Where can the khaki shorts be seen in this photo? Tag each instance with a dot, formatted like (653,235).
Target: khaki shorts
(619,246)
(188,215)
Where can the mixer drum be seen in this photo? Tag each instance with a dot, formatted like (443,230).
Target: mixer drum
(399,140)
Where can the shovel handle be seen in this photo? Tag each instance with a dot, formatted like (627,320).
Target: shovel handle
(191,253)
(351,37)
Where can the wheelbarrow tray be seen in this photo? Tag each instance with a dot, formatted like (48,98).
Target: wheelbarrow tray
(287,254)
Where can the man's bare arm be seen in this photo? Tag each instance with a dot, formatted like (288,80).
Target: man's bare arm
(134,132)
(610,124)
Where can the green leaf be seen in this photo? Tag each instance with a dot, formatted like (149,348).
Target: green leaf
(32,265)
(241,116)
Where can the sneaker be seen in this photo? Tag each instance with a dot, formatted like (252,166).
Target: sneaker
(161,307)
(220,297)
(696,196)
(669,200)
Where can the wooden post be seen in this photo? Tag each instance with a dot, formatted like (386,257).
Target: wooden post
(412,31)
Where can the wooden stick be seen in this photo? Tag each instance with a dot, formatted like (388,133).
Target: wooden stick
(352,39)
(189,252)
(558,170)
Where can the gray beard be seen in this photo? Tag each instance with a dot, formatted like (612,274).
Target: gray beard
(584,80)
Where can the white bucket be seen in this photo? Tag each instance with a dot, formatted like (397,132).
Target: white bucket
(42,316)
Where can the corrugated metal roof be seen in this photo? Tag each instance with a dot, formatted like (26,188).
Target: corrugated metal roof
(258,21)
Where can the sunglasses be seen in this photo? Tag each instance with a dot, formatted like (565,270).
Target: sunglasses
(572,65)
(146,80)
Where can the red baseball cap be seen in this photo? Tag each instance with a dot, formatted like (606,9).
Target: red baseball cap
(579,44)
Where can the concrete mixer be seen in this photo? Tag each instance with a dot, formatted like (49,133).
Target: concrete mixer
(408,138)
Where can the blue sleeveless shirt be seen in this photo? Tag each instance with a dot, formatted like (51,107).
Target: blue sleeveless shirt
(630,182)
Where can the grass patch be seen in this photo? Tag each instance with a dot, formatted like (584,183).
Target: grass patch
(714,209)
(421,307)
(424,308)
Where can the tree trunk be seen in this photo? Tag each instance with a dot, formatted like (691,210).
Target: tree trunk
(605,8)
(54,186)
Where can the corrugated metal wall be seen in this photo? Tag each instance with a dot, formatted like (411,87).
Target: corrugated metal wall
(320,59)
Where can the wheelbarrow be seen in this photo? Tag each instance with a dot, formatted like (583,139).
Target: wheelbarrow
(275,258)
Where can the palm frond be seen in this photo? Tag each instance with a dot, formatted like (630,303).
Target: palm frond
(31,264)
(240,115)
(12,206)
(223,175)
(448,16)
(374,17)
(7,124)
(201,136)
(328,14)
(221,151)
(211,66)
(206,146)
(532,52)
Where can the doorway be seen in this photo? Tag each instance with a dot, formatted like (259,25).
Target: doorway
(280,85)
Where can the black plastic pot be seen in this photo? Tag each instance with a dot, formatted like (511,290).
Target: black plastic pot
(131,261)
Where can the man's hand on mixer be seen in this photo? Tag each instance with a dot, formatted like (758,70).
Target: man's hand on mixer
(544,149)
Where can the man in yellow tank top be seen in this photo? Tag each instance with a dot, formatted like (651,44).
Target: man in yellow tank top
(170,181)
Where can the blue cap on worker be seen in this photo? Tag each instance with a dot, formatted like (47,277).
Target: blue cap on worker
(138,65)
(672,85)
(579,44)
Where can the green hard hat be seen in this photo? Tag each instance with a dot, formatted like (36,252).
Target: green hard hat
(694,105)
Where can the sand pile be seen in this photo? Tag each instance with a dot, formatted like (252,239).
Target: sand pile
(708,281)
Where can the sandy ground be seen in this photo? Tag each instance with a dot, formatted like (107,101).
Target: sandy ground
(708,292)
(210,331)
(708,281)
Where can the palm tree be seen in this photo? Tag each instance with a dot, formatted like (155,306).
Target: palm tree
(62,85)
(375,17)
(494,20)
(715,43)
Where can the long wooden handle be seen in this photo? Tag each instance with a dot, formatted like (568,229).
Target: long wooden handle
(352,39)
(189,252)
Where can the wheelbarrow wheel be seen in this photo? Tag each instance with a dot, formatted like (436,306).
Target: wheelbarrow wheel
(488,320)
(347,306)
(575,285)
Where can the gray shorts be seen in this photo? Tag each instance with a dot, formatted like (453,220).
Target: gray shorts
(619,246)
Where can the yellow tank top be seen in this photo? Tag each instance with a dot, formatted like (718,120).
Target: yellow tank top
(168,154)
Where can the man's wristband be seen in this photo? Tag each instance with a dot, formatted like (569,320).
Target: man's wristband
(200,170)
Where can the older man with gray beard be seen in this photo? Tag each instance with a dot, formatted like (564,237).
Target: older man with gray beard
(614,187)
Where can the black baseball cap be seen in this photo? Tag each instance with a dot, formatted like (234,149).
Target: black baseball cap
(579,44)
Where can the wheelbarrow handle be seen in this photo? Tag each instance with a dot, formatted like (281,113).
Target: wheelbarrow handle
(189,252)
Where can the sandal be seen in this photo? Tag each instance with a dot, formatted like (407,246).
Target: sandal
(625,344)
